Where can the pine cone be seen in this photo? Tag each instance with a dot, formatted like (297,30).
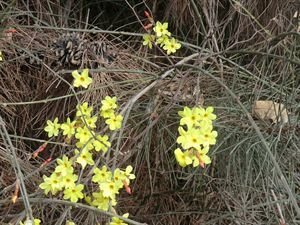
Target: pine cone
(69,49)
(100,53)
(33,58)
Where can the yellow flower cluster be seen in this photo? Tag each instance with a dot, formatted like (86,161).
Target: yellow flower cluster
(162,38)
(63,179)
(82,132)
(197,137)
(107,111)
(109,184)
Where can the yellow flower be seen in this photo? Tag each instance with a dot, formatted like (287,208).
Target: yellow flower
(190,138)
(201,158)
(118,221)
(88,145)
(84,110)
(69,180)
(161,29)
(82,79)
(198,137)
(128,174)
(88,199)
(109,103)
(119,177)
(52,184)
(52,128)
(207,114)
(208,137)
(161,41)
(85,158)
(74,193)
(190,117)
(182,158)
(83,134)
(102,175)
(109,189)
(46,185)
(107,113)
(114,122)
(100,201)
(68,128)
(37,221)
(91,121)
(171,46)
(101,143)
(64,166)
(55,180)
(148,39)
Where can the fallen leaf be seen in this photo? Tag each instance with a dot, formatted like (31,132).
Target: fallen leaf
(269,110)
(16,192)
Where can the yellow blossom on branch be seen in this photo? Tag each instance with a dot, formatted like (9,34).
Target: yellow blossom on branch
(47,185)
(100,201)
(201,158)
(109,189)
(129,176)
(83,134)
(64,166)
(161,41)
(207,114)
(109,103)
(52,128)
(82,79)
(51,184)
(171,46)
(161,38)
(101,143)
(190,117)
(107,113)
(161,29)
(83,110)
(74,193)
(190,138)
(114,122)
(69,180)
(119,177)
(182,158)
(102,175)
(91,121)
(68,128)
(85,158)
(148,39)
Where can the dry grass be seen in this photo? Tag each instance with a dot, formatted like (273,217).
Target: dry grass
(245,52)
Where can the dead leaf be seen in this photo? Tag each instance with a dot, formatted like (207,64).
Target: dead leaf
(16,193)
(269,110)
